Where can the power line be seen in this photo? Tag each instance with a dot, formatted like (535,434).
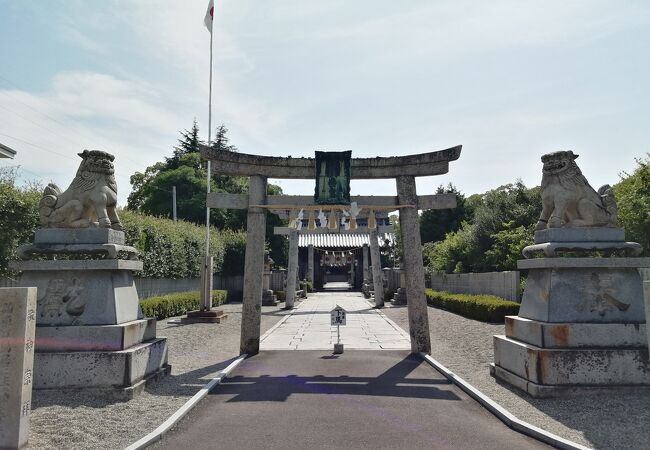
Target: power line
(68,126)
(39,125)
(38,146)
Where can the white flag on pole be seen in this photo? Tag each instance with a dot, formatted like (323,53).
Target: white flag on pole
(209,16)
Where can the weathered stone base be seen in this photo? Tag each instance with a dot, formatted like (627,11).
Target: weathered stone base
(82,292)
(550,391)
(212,316)
(94,337)
(121,370)
(572,366)
(574,335)
(400,297)
(269,298)
(119,394)
(588,290)
(366,289)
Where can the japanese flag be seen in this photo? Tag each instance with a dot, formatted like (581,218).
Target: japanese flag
(209,16)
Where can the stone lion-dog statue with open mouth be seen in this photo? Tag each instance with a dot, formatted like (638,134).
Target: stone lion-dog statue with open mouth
(90,200)
(567,198)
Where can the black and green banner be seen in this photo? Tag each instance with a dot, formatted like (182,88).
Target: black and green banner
(333,178)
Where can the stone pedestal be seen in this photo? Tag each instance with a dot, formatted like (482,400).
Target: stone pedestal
(400,295)
(211,316)
(581,326)
(17,324)
(90,332)
(269,298)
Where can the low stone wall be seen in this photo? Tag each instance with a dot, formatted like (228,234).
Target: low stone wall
(501,284)
(152,287)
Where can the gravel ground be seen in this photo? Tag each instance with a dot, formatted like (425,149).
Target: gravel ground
(603,421)
(77,420)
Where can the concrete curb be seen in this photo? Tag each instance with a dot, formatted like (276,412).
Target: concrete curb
(500,412)
(157,434)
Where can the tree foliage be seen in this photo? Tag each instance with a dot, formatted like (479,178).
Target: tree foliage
(152,189)
(497,226)
(18,215)
(633,198)
(436,223)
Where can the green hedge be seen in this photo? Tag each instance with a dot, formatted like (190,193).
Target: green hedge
(167,249)
(176,304)
(486,308)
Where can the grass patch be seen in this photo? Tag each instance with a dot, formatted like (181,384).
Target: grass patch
(486,308)
(179,303)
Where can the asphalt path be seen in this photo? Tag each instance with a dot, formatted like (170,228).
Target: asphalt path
(360,399)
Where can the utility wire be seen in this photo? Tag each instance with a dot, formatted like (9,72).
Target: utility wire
(38,146)
(68,126)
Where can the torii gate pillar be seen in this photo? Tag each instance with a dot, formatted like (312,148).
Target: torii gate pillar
(414,268)
(253,267)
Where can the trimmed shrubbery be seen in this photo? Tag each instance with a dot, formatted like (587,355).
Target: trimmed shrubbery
(486,308)
(176,304)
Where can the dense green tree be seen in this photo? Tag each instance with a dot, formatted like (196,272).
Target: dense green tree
(435,223)
(507,246)
(18,215)
(451,255)
(152,190)
(188,144)
(633,198)
(501,224)
(512,205)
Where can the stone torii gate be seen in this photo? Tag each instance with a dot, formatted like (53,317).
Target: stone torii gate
(403,169)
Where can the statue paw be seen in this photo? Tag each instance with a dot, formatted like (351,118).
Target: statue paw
(104,223)
(540,226)
(555,222)
(117,226)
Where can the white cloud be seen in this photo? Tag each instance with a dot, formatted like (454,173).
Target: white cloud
(87,110)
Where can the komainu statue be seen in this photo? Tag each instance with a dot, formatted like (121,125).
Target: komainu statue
(567,198)
(89,201)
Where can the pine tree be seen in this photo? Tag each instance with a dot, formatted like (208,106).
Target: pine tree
(220,141)
(187,144)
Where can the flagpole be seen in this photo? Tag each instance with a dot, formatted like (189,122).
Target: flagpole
(207,300)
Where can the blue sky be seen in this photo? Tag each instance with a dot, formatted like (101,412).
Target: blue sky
(509,80)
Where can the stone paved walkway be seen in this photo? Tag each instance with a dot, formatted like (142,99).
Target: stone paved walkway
(308,327)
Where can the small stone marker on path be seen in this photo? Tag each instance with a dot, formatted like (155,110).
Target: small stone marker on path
(17,328)
(338,318)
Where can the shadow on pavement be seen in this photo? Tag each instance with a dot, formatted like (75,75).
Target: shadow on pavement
(392,383)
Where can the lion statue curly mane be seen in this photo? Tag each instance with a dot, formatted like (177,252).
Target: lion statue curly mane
(89,201)
(567,198)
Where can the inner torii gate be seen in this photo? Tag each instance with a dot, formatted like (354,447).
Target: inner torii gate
(403,169)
